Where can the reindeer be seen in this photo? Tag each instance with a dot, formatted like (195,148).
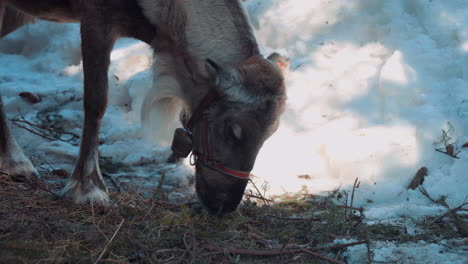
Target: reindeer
(207,61)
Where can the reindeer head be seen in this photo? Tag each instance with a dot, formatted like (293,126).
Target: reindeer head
(229,133)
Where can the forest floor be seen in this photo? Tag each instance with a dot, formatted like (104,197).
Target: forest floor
(37,226)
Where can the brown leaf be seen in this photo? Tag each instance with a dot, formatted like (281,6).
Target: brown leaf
(61,173)
(465,145)
(449,149)
(30,97)
(418,178)
(305,177)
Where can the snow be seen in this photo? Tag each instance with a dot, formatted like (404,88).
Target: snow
(45,58)
(443,252)
(372,86)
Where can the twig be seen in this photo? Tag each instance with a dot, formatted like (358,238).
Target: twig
(34,132)
(257,197)
(114,182)
(276,252)
(355,185)
(251,252)
(161,228)
(360,209)
(456,220)
(165,250)
(94,222)
(451,211)
(259,193)
(425,193)
(191,249)
(109,242)
(313,254)
(23,120)
(370,253)
(338,246)
(28,181)
(350,206)
(147,213)
(295,218)
(446,153)
(258,239)
(38,130)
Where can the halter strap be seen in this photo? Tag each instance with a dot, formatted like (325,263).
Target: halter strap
(206,157)
(206,102)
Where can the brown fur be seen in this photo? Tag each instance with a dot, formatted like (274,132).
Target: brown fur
(184,34)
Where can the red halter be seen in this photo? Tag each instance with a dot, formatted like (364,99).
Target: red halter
(206,159)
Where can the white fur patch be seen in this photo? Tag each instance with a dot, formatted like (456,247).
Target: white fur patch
(74,191)
(162,103)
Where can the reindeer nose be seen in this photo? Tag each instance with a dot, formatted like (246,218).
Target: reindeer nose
(222,201)
(220,194)
(220,204)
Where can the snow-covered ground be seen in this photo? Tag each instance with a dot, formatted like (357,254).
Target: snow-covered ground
(373,84)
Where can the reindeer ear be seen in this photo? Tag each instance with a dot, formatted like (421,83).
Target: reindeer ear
(283,63)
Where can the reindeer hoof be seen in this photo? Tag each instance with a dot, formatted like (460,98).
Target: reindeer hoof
(18,168)
(84,193)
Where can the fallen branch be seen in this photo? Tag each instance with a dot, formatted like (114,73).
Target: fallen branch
(313,254)
(459,226)
(28,181)
(360,209)
(426,194)
(110,241)
(446,153)
(339,246)
(249,195)
(451,211)
(53,134)
(277,252)
(113,181)
(295,218)
(32,131)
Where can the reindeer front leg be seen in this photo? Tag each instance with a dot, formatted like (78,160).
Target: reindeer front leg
(12,159)
(97,37)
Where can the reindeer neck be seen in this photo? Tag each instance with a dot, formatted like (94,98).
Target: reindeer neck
(217,30)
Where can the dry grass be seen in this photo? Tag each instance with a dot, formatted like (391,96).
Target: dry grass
(36,227)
